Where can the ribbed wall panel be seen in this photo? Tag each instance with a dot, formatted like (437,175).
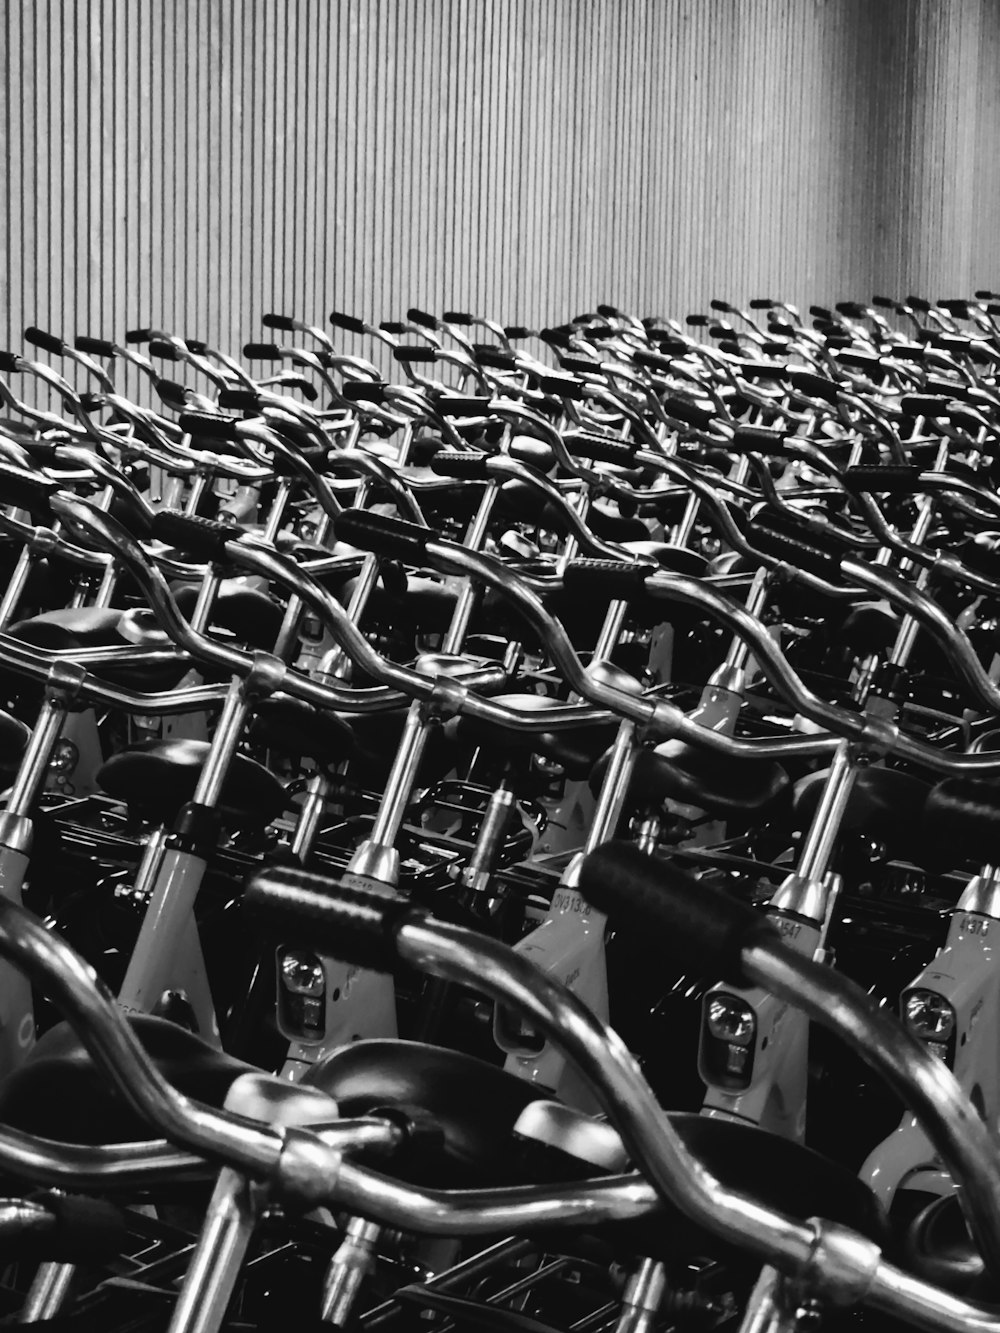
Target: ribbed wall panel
(192,164)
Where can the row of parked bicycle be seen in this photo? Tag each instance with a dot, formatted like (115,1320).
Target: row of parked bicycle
(508,846)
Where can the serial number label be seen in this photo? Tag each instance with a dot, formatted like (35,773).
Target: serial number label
(567,901)
(976,925)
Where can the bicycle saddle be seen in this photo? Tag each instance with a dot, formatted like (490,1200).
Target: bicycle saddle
(938,1246)
(869,627)
(423,606)
(575,748)
(292,726)
(474,1106)
(677,559)
(680,772)
(963,815)
(246,612)
(61,1094)
(100,627)
(376,738)
(14,736)
(158,777)
(773,1171)
(71,627)
(883,804)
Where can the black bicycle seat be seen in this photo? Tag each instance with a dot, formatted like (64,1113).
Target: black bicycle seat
(292,726)
(156,778)
(961,816)
(421,606)
(869,627)
(71,627)
(938,1245)
(883,803)
(773,1171)
(247,613)
(473,1104)
(60,1093)
(681,772)
(677,559)
(14,737)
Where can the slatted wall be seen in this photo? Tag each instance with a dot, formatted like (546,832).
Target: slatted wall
(192,164)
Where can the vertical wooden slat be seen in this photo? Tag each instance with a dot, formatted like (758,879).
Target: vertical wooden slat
(191,163)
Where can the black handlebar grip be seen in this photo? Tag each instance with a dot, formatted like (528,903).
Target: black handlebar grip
(210,425)
(495,358)
(48,342)
(702,929)
(410,354)
(653,361)
(516,331)
(762,370)
(885,303)
(417,316)
(792,550)
(722,330)
(852,309)
(299,382)
(471,466)
(10,363)
(821,312)
(138,335)
(791,522)
(722,306)
(382,535)
(583,364)
(813,386)
(959,309)
(866,361)
(239,400)
(907,352)
(609,311)
(197,346)
(204,538)
(283,322)
(601,451)
(24,489)
(349,323)
(457,317)
(462,405)
(607,580)
(918,303)
(355,923)
(923,405)
(364,391)
(950,389)
(394,326)
(763,303)
(93,346)
(173,394)
(758,439)
(891,478)
(164,350)
(262,351)
(682,409)
(668,343)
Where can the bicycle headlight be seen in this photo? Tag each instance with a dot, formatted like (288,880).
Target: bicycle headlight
(931,1018)
(730,1020)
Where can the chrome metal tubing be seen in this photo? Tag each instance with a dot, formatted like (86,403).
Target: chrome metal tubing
(602,1058)
(922,1081)
(73,985)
